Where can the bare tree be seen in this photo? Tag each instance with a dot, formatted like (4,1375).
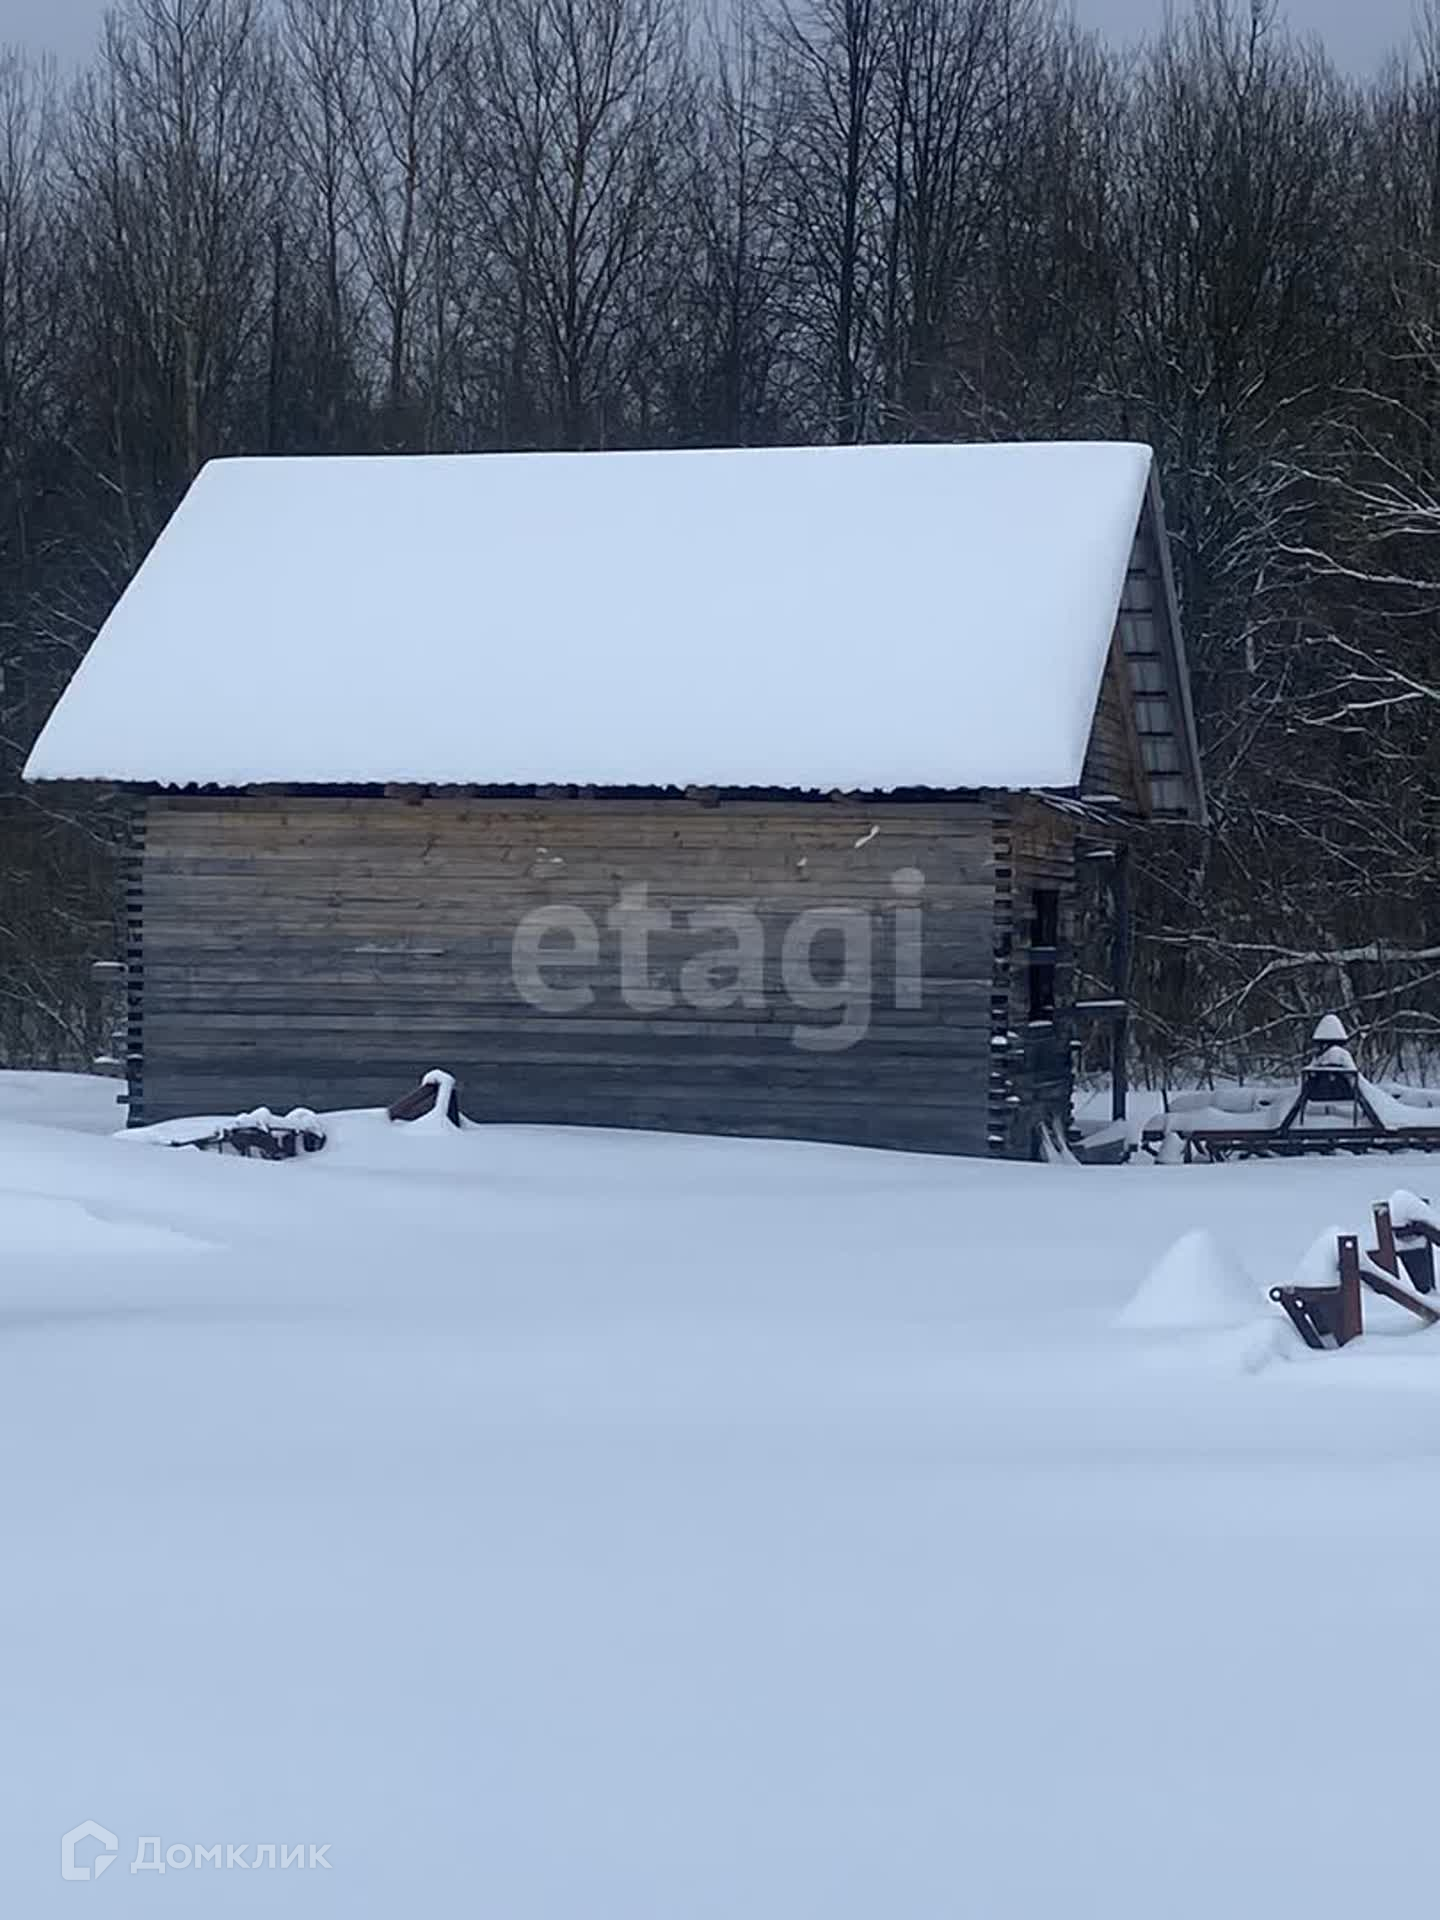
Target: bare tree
(361,224)
(321,48)
(836,146)
(401,150)
(955,83)
(171,148)
(581,96)
(726,369)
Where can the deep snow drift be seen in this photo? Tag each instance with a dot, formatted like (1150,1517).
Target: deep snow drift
(556,1524)
(1196,1284)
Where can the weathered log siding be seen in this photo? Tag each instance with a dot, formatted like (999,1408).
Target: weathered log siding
(1113,761)
(325,952)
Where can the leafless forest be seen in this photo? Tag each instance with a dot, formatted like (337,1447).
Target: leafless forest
(342,225)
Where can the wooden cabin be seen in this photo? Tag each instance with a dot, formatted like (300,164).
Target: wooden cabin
(736,792)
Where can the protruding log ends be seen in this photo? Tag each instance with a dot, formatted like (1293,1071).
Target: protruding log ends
(420,1100)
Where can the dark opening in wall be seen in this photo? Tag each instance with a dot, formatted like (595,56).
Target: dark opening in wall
(1044,945)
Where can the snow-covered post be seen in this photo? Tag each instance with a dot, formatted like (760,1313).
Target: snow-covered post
(1350,1324)
(1385,1253)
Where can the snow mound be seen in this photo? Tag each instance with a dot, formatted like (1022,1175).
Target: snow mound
(1197,1285)
(187,1132)
(1393,1112)
(1228,1351)
(1409,1210)
(1321,1265)
(1338,1057)
(33,1223)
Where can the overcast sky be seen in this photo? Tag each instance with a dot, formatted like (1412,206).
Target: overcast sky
(1359,31)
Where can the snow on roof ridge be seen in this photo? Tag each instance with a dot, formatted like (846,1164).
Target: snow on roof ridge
(806,449)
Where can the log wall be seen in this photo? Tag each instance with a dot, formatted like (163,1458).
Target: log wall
(325,952)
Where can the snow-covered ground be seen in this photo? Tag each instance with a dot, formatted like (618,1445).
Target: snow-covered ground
(613,1527)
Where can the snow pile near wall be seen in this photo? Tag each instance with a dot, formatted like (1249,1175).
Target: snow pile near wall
(1197,1285)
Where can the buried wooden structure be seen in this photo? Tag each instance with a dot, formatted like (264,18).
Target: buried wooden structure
(834,889)
(1333,1316)
(421,1100)
(261,1136)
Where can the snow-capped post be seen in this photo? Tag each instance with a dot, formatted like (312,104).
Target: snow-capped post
(1350,1323)
(1331,1078)
(1385,1253)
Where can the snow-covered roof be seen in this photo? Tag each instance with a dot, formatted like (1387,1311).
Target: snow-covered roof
(813,618)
